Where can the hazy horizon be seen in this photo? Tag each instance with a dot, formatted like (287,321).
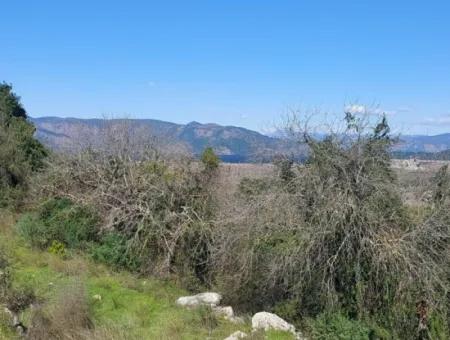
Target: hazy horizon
(270,132)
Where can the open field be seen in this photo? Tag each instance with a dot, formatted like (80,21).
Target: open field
(231,173)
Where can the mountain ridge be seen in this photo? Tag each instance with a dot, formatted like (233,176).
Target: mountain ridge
(232,143)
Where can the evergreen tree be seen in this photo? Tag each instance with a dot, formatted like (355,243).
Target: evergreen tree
(20,153)
(209,159)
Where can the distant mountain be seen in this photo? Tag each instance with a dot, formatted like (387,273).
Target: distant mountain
(438,156)
(418,143)
(233,144)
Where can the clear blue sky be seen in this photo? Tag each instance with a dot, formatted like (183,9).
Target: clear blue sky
(230,62)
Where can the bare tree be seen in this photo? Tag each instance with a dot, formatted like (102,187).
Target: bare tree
(157,203)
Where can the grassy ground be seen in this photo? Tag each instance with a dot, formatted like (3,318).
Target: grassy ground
(120,303)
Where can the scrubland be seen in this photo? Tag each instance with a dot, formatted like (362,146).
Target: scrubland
(76,297)
(99,244)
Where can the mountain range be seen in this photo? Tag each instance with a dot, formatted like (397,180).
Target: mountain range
(422,143)
(231,143)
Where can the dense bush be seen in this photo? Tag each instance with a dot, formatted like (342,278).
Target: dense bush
(59,220)
(337,327)
(159,210)
(20,153)
(113,250)
(337,236)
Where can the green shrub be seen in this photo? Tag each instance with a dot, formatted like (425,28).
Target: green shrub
(34,231)
(209,159)
(113,250)
(288,309)
(20,154)
(59,220)
(57,248)
(336,326)
(439,327)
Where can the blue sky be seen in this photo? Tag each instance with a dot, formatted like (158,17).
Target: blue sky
(231,62)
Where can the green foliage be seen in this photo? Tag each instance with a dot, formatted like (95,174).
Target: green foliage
(20,153)
(439,327)
(113,250)
(335,326)
(15,297)
(59,220)
(10,104)
(57,248)
(130,307)
(209,159)
(288,309)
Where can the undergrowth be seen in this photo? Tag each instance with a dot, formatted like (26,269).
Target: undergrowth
(84,299)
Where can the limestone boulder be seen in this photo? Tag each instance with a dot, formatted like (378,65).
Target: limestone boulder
(202,299)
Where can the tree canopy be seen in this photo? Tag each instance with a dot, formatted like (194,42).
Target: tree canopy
(20,152)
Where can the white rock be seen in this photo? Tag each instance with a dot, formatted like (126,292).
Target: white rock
(236,336)
(266,321)
(226,312)
(203,299)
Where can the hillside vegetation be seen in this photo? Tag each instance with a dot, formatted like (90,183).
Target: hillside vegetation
(76,297)
(104,240)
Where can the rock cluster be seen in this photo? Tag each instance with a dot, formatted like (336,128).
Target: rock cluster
(212,300)
(260,321)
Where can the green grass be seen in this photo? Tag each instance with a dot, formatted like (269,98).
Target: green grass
(141,308)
